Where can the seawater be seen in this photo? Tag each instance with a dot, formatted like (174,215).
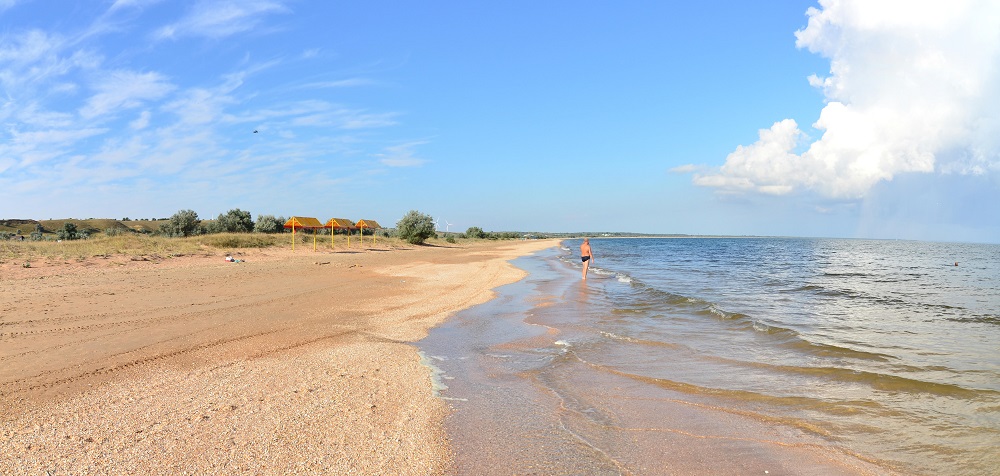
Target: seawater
(888,351)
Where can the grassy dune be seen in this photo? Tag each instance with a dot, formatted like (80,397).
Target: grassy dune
(98,246)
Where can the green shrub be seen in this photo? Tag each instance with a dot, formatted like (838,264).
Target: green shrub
(234,221)
(415,227)
(450,239)
(503,235)
(267,224)
(475,232)
(182,223)
(68,232)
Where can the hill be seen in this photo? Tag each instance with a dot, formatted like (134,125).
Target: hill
(95,225)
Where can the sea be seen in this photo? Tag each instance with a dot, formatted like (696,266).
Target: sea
(730,355)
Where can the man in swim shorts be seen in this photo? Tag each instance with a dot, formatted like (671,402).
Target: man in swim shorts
(586,255)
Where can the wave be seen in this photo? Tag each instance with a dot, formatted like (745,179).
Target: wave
(635,340)
(978,319)
(894,302)
(655,300)
(874,380)
(606,272)
(747,396)
(828,350)
(895,383)
(878,381)
(846,275)
(652,299)
(818,289)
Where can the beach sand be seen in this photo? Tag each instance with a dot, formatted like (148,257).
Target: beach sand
(289,362)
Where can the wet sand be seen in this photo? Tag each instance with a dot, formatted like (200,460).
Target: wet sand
(285,363)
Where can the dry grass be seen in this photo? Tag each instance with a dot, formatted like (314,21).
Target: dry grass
(144,246)
(305,239)
(98,246)
(239,240)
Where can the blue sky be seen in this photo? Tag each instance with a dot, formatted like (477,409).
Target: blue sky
(803,118)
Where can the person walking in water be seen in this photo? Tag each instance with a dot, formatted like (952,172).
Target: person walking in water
(586,255)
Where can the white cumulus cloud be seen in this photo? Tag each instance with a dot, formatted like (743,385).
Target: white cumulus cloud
(912,88)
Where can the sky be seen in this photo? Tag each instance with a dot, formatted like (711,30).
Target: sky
(837,118)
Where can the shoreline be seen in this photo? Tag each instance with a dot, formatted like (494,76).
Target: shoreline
(285,362)
(527,398)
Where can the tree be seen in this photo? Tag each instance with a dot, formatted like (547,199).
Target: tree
(267,224)
(475,232)
(68,232)
(235,221)
(415,227)
(182,223)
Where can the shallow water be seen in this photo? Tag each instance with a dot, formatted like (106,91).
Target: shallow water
(883,350)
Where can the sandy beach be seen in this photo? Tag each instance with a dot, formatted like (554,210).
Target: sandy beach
(288,362)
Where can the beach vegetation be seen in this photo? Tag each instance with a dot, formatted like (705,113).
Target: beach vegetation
(233,221)
(239,240)
(129,245)
(268,224)
(415,227)
(503,235)
(135,246)
(182,223)
(475,232)
(68,232)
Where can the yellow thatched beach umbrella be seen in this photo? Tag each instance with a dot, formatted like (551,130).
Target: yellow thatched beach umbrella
(339,224)
(372,224)
(298,223)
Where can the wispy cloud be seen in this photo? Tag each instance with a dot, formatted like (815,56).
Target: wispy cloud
(6,4)
(318,113)
(195,107)
(401,155)
(39,146)
(32,58)
(684,169)
(141,122)
(342,83)
(221,19)
(123,4)
(118,90)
